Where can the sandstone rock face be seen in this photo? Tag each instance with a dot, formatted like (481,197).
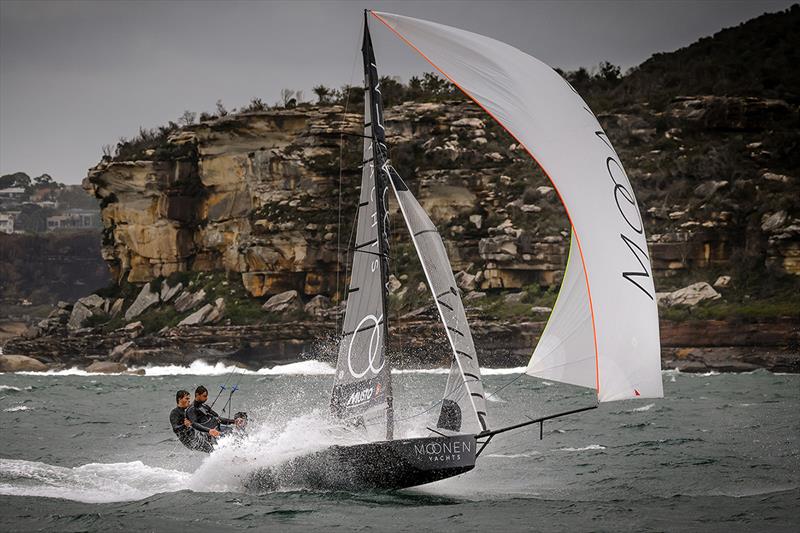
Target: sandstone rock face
(691,295)
(20,363)
(465,281)
(257,194)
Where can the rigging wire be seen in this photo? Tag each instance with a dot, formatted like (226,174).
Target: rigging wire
(449,396)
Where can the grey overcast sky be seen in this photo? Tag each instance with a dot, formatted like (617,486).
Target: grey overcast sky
(75,75)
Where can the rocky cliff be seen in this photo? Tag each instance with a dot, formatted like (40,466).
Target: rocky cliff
(258,194)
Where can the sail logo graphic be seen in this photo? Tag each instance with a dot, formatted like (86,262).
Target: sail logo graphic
(373,348)
(359,397)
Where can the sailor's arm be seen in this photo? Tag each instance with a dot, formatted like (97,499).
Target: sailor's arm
(220,419)
(176,420)
(200,427)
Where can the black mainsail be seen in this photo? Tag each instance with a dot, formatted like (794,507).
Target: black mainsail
(362,391)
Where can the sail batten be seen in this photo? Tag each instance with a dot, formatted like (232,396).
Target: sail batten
(618,321)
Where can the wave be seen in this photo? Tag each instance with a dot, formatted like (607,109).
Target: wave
(90,483)
(224,470)
(202,368)
(311,367)
(16,408)
(9,388)
(584,449)
(643,408)
(74,371)
(512,455)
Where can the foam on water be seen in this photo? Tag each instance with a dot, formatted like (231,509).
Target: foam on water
(512,455)
(234,459)
(224,470)
(644,408)
(91,483)
(583,449)
(311,367)
(202,368)
(16,408)
(74,371)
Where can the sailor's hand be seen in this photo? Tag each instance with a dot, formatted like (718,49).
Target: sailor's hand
(213,432)
(187,422)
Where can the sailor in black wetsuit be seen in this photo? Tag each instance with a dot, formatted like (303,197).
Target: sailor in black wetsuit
(191,434)
(205,416)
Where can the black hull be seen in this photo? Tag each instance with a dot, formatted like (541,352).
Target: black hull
(386,465)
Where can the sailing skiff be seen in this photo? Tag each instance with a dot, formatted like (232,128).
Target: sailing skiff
(603,331)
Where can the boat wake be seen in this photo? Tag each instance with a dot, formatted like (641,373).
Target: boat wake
(90,483)
(224,470)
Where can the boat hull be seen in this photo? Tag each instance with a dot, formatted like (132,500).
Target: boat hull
(385,465)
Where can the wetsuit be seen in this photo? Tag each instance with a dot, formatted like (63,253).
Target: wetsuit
(205,416)
(195,437)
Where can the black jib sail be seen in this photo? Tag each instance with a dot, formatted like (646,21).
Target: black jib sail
(463,406)
(362,391)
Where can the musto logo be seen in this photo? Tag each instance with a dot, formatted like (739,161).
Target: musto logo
(443,451)
(360,396)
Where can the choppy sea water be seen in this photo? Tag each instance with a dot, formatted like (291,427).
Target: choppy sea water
(92,453)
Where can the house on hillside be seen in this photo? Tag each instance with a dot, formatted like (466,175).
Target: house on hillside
(6,223)
(74,219)
(12,195)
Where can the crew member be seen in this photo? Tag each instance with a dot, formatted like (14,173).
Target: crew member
(193,435)
(205,416)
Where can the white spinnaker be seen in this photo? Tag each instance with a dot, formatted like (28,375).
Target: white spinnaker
(566,350)
(542,111)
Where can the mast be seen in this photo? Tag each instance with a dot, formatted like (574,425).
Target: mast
(362,388)
(374,118)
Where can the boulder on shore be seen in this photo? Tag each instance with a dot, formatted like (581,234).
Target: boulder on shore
(285,301)
(146,298)
(106,367)
(318,306)
(188,300)
(691,295)
(21,363)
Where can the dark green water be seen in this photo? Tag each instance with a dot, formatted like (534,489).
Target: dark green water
(94,453)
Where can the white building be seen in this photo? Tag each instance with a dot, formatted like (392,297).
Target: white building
(12,193)
(74,219)
(6,223)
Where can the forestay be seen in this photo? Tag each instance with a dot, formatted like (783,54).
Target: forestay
(464,406)
(553,123)
(362,387)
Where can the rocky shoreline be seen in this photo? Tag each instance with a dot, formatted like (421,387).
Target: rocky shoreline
(691,346)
